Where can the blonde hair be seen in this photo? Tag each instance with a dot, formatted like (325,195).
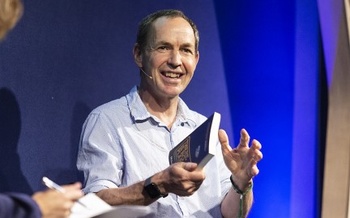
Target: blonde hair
(10,12)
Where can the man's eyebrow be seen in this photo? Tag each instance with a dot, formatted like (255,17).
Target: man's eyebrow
(163,43)
(187,45)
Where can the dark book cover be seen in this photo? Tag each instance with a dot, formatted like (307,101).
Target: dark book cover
(200,145)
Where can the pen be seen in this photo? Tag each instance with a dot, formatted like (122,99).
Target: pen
(52,185)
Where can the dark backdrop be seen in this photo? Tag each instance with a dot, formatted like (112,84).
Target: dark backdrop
(259,67)
(63,59)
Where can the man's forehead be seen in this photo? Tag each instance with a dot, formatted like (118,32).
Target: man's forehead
(164,28)
(163,22)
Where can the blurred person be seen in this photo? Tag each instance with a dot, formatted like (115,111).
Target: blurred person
(47,203)
(10,13)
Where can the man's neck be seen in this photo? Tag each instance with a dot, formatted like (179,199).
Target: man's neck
(163,108)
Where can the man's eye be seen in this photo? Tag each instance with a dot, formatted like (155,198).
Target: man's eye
(186,50)
(162,48)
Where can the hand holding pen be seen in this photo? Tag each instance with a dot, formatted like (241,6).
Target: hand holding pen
(52,185)
(56,204)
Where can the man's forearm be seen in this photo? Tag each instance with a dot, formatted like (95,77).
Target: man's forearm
(131,195)
(230,206)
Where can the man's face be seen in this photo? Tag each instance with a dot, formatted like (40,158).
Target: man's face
(170,57)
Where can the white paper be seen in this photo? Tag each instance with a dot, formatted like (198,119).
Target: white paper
(96,207)
(127,211)
(93,206)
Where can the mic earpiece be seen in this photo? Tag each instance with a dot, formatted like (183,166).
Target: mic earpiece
(146,73)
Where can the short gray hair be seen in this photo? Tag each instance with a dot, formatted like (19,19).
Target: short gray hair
(146,24)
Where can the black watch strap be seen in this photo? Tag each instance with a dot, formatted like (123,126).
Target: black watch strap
(152,189)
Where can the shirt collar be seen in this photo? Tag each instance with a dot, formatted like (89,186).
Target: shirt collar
(139,111)
(137,108)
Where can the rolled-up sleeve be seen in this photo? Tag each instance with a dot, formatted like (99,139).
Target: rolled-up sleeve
(99,154)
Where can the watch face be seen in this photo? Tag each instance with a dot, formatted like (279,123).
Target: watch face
(152,190)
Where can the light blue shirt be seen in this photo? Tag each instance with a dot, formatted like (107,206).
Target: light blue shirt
(122,143)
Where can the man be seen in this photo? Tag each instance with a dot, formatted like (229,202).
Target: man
(48,203)
(125,143)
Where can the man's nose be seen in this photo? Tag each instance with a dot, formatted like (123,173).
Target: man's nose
(175,58)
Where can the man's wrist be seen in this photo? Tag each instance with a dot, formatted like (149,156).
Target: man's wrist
(152,189)
(241,189)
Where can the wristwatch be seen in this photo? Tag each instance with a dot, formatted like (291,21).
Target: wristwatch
(152,189)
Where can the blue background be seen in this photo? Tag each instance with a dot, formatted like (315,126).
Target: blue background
(261,66)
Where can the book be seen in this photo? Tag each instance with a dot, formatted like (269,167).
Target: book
(200,145)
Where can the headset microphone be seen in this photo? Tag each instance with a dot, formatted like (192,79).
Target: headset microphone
(146,73)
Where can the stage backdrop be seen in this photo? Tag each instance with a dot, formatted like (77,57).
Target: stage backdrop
(65,58)
(259,67)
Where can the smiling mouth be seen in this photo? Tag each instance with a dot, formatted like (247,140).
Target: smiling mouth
(172,75)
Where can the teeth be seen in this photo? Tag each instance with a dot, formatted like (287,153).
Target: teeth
(172,75)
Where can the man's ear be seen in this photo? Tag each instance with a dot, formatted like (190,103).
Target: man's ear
(137,55)
(197,57)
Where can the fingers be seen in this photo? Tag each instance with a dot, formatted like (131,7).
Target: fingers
(74,186)
(184,178)
(224,141)
(256,144)
(223,138)
(195,175)
(254,170)
(53,203)
(255,156)
(189,166)
(254,150)
(244,140)
(73,191)
(192,189)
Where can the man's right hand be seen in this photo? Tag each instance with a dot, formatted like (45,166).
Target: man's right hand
(181,178)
